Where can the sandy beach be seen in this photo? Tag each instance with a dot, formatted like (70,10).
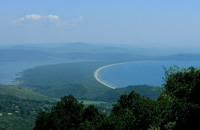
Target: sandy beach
(97,78)
(97,71)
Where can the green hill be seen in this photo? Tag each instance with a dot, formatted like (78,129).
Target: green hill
(22,93)
(144,90)
(77,90)
(19,107)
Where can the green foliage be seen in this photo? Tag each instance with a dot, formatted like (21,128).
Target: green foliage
(131,112)
(20,113)
(19,107)
(134,112)
(177,107)
(22,93)
(16,122)
(183,87)
(69,114)
(183,84)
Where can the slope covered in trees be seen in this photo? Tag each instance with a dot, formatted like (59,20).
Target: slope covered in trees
(22,93)
(178,107)
(19,107)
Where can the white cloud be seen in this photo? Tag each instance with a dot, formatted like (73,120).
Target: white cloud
(33,17)
(53,17)
(36,17)
(56,20)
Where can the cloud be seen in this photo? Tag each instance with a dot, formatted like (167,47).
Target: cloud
(32,17)
(48,20)
(53,17)
(35,17)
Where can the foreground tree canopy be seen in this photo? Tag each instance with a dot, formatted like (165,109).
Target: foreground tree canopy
(178,107)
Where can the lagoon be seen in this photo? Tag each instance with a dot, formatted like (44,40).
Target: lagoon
(139,73)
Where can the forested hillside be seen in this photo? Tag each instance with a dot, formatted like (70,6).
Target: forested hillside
(22,93)
(19,107)
(177,108)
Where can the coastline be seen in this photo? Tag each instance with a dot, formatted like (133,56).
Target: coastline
(99,69)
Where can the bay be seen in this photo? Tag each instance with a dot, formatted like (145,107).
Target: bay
(139,73)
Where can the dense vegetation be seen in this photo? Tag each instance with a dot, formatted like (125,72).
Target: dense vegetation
(20,113)
(24,104)
(178,107)
(76,79)
(22,93)
(19,107)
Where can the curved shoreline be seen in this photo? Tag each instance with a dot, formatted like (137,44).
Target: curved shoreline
(99,69)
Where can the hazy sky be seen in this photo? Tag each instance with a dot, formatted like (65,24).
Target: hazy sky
(135,22)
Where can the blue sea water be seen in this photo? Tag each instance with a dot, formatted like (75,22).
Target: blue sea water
(140,73)
(11,70)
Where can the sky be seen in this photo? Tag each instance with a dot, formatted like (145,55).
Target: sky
(134,22)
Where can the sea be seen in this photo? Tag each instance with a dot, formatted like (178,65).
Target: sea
(118,76)
(140,73)
(9,71)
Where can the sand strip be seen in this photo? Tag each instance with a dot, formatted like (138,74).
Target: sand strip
(97,71)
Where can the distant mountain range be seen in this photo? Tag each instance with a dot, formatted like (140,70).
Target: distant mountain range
(84,51)
(22,55)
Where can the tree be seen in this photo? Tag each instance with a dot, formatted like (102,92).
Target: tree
(182,86)
(92,114)
(43,121)
(65,115)
(133,112)
(69,114)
